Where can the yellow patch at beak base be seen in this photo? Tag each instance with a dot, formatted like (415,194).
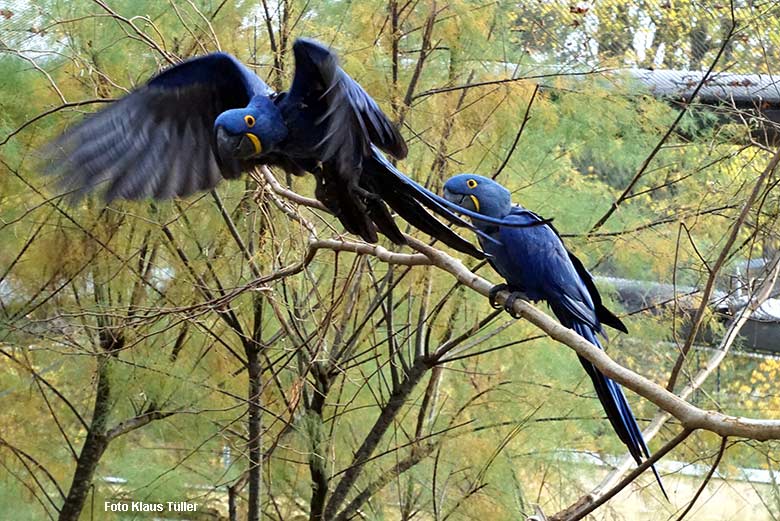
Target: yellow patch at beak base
(475,201)
(255,141)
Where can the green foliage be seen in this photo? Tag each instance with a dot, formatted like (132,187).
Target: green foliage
(506,422)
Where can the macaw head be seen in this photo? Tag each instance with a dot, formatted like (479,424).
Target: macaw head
(479,194)
(251,131)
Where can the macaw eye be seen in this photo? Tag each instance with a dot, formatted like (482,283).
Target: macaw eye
(249,120)
(471,183)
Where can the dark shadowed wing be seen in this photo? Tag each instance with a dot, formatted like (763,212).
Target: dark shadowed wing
(353,119)
(604,315)
(158,141)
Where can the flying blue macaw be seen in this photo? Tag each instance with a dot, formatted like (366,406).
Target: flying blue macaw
(211,118)
(537,266)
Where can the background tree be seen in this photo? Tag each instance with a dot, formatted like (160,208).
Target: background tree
(235,350)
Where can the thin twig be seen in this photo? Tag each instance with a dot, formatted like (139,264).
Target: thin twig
(646,163)
(707,478)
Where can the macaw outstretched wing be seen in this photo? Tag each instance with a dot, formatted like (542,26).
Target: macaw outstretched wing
(158,141)
(354,120)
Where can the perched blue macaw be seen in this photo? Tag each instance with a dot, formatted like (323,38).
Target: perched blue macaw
(537,266)
(211,118)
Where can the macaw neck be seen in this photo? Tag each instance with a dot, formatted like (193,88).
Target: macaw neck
(497,212)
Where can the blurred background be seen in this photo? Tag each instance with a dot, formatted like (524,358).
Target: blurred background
(147,334)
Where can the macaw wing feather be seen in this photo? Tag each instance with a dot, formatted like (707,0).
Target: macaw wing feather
(604,315)
(403,186)
(354,120)
(158,141)
(538,255)
(400,193)
(454,207)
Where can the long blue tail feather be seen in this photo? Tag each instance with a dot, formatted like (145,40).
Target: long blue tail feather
(481,217)
(448,209)
(613,400)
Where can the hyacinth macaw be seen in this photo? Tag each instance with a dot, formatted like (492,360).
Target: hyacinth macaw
(211,118)
(537,266)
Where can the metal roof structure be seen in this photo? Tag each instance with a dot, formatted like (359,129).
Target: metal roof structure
(743,90)
(735,97)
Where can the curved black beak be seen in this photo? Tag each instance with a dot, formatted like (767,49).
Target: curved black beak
(452,196)
(461,200)
(232,146)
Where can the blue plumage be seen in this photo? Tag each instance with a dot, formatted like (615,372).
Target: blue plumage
(537,266)
(211,117)
(219,68)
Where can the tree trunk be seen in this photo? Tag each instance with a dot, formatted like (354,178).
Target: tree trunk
(232,509)
(255,436)
(381,425)
(317,467)
(93,449)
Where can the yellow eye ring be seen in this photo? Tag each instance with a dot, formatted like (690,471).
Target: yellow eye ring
(471,183)
(249,120)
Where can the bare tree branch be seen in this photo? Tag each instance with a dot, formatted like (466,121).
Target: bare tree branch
(707,478)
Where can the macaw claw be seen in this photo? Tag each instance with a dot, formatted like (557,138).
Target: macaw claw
(493,294)
(509,304)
